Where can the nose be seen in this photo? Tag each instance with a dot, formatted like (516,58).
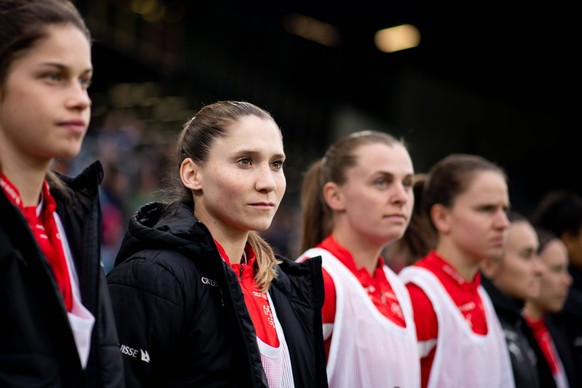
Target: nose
(400,194)
(537,266)
(79,97)
(502,221)
(568,278)
(266,180)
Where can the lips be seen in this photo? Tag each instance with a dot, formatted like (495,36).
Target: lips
(401,216)
(75,125)
(500,240)
(263,205)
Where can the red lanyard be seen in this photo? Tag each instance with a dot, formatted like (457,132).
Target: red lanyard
(44,228)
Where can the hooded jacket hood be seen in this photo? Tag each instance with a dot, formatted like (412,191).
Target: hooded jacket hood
(161,226)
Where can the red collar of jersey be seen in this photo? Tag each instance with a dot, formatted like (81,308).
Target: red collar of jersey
(330,244)
(447,273)
(248,267)
(342,254)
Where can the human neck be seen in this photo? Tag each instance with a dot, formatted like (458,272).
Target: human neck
(236,252)
(364,253)
(25,172)
(465,266)
(27,181)
(532,311)
(233,240)
(233,243)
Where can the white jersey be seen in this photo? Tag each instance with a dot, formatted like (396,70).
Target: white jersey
(367,349)
(463,358)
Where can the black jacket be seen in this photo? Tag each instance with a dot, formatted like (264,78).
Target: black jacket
(181,315)
(562,345)
(37,347)
(569,320)
(530,368)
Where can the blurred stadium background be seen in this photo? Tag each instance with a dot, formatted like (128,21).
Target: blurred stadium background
(492,78)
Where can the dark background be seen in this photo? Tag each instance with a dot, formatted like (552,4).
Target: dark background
(499,79)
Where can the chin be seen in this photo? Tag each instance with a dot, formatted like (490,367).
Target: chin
(495,253)
(398,234)
(390,237)
(68,153)
(260,227)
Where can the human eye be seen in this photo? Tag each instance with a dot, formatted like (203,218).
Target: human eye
(244,161)
(53,76)
(529,254)
(278,164)
(380,182)
(85,81)
(408,182)
(488,208)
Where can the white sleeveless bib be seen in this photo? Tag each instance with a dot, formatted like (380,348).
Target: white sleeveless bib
(367,349)
(463,358)
(276,361)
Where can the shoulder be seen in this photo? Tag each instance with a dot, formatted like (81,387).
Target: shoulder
(425,317)
(300,279)
(420,301)
(299,266)
(79,194)
(155,271)
(87,181)
(414,274)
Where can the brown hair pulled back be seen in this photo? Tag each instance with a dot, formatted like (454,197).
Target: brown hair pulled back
(451,176)
(316,220)
(195,141)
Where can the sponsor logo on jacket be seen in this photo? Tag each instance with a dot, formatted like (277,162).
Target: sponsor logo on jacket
(208,282)
(135,353)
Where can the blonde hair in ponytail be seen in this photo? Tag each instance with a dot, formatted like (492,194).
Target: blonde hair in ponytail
(266,261)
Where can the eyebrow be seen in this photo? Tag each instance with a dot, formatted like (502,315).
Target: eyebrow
(391,174)
(256,153)
(60,66)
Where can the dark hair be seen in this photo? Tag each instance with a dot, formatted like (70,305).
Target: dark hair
(195,141)
(22,24)
(559,212)
(316,216)
(25,22)
(544,237)
(451,176)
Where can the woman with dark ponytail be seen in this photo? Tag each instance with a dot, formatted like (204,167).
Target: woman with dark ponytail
(460,338)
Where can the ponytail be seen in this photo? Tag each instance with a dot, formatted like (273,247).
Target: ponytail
(266,261)
(316,220)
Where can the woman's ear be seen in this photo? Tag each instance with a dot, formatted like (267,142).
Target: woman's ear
(441,218)
(333,196)
(190,174)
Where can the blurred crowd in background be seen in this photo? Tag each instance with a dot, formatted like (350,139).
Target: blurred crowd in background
(135,166)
